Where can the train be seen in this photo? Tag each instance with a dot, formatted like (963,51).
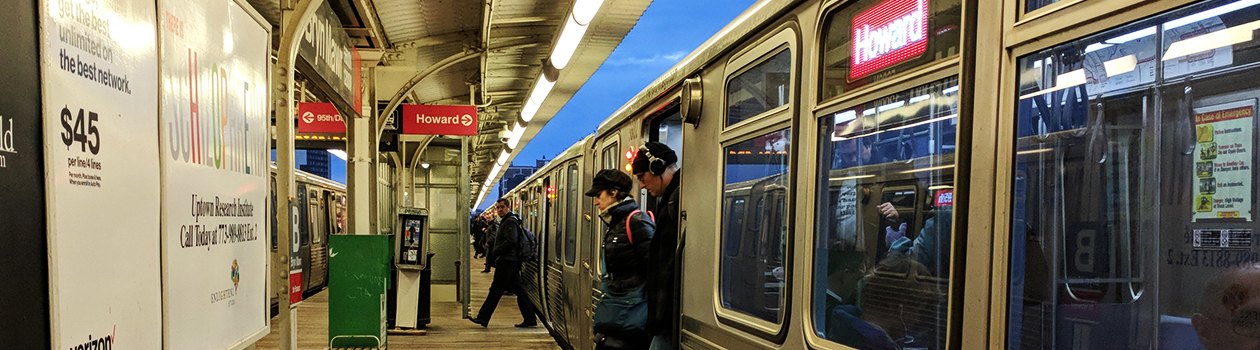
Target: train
(321,207)
(844,184)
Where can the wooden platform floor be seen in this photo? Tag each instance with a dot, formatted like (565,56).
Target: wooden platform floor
(449,330)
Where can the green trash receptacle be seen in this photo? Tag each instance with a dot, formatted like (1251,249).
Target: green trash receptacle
(357,283)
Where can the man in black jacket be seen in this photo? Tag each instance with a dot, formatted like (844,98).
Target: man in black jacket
(656,166)
(505,256)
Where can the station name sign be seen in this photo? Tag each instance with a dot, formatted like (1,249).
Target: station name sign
(320,118)
(891,32)
(439,120)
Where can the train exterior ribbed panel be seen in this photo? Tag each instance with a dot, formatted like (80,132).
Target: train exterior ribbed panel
(557,300)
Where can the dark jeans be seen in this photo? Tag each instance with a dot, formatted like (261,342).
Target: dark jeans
(507,277)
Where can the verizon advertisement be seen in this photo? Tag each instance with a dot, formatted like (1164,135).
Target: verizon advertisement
(319,118)
(891,32)
(215,153)
(439,120)
(100,153)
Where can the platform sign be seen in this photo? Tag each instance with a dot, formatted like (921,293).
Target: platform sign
(24,254)
(214,133)
(99,70)
(439,120)
(319,118)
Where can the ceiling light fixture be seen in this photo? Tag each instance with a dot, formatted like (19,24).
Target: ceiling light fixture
(503,157)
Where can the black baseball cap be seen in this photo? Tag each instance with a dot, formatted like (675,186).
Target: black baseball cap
(657,149)
(609,179)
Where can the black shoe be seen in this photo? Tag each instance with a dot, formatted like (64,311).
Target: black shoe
(485,271)
(483,324)
(527,324)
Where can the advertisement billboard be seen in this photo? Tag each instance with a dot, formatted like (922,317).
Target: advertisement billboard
(24,254)
(215,151)
(98,60)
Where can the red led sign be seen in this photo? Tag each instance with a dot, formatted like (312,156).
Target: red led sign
(439,120)
(945,198)
(891,32)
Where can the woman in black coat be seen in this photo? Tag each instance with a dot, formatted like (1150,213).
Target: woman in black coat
(627,241)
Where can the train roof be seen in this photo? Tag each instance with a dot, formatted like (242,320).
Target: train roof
(313,178)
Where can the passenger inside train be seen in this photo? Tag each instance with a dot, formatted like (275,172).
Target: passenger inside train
(884,248)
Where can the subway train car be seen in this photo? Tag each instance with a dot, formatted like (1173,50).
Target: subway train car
(821,143)
(321,206)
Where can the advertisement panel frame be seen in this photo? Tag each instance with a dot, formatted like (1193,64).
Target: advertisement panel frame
(263,213)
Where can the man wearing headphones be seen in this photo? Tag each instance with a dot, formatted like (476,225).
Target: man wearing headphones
(656,166)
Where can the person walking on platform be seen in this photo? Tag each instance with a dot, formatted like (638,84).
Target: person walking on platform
(620,319)
(505,255)
(656,166)
(492,229)
(478,230)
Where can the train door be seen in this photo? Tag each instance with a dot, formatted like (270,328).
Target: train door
(610,155)
(575,275)
(557,297)
(319,233)
(666,128)
(1133,215)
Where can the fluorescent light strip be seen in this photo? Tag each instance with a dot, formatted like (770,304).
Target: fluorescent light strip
(503,157)
(1034,151)
(854,177)
(1211,41)
(940,187)
(515,137)
(933,120)
(950,90)
(911,171)
(1065,80)
(570,37)
(536,98)
(1120,65)
(1148,31)
(1177,23)
(889,106)
(584,10)
(918,99)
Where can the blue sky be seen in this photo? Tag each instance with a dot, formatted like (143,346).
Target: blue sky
(668,31)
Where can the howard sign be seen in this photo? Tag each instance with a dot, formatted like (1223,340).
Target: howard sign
(439,120)
(320,118)
(891,32)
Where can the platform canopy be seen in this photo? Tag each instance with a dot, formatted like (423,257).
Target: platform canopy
(507,57)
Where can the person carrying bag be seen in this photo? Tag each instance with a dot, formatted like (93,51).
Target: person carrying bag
(620,319)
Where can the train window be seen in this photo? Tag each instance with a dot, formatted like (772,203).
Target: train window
(669,132)
(857,49)
(757,170)
(760,88)
(1134,200)
(571,222)
(884,212)
(611,157)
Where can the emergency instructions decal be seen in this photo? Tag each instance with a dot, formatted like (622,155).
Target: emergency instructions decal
(99,66)
(1222,166)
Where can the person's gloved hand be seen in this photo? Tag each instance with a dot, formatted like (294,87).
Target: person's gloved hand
(891,236)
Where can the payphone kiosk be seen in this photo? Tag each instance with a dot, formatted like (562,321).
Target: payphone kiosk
(410,297)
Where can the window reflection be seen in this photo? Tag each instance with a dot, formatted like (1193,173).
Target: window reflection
(1134,198)
(883,242)
(759,89)
(754,229)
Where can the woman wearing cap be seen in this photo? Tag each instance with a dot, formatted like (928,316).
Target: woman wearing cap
(621,316)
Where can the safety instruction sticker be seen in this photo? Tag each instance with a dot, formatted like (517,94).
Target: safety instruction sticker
(1222,168)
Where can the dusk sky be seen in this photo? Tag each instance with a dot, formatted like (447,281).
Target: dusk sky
(668,31)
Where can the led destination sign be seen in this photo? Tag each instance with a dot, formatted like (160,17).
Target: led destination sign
(888,33)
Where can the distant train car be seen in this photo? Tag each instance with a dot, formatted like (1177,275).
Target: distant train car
(321,206)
